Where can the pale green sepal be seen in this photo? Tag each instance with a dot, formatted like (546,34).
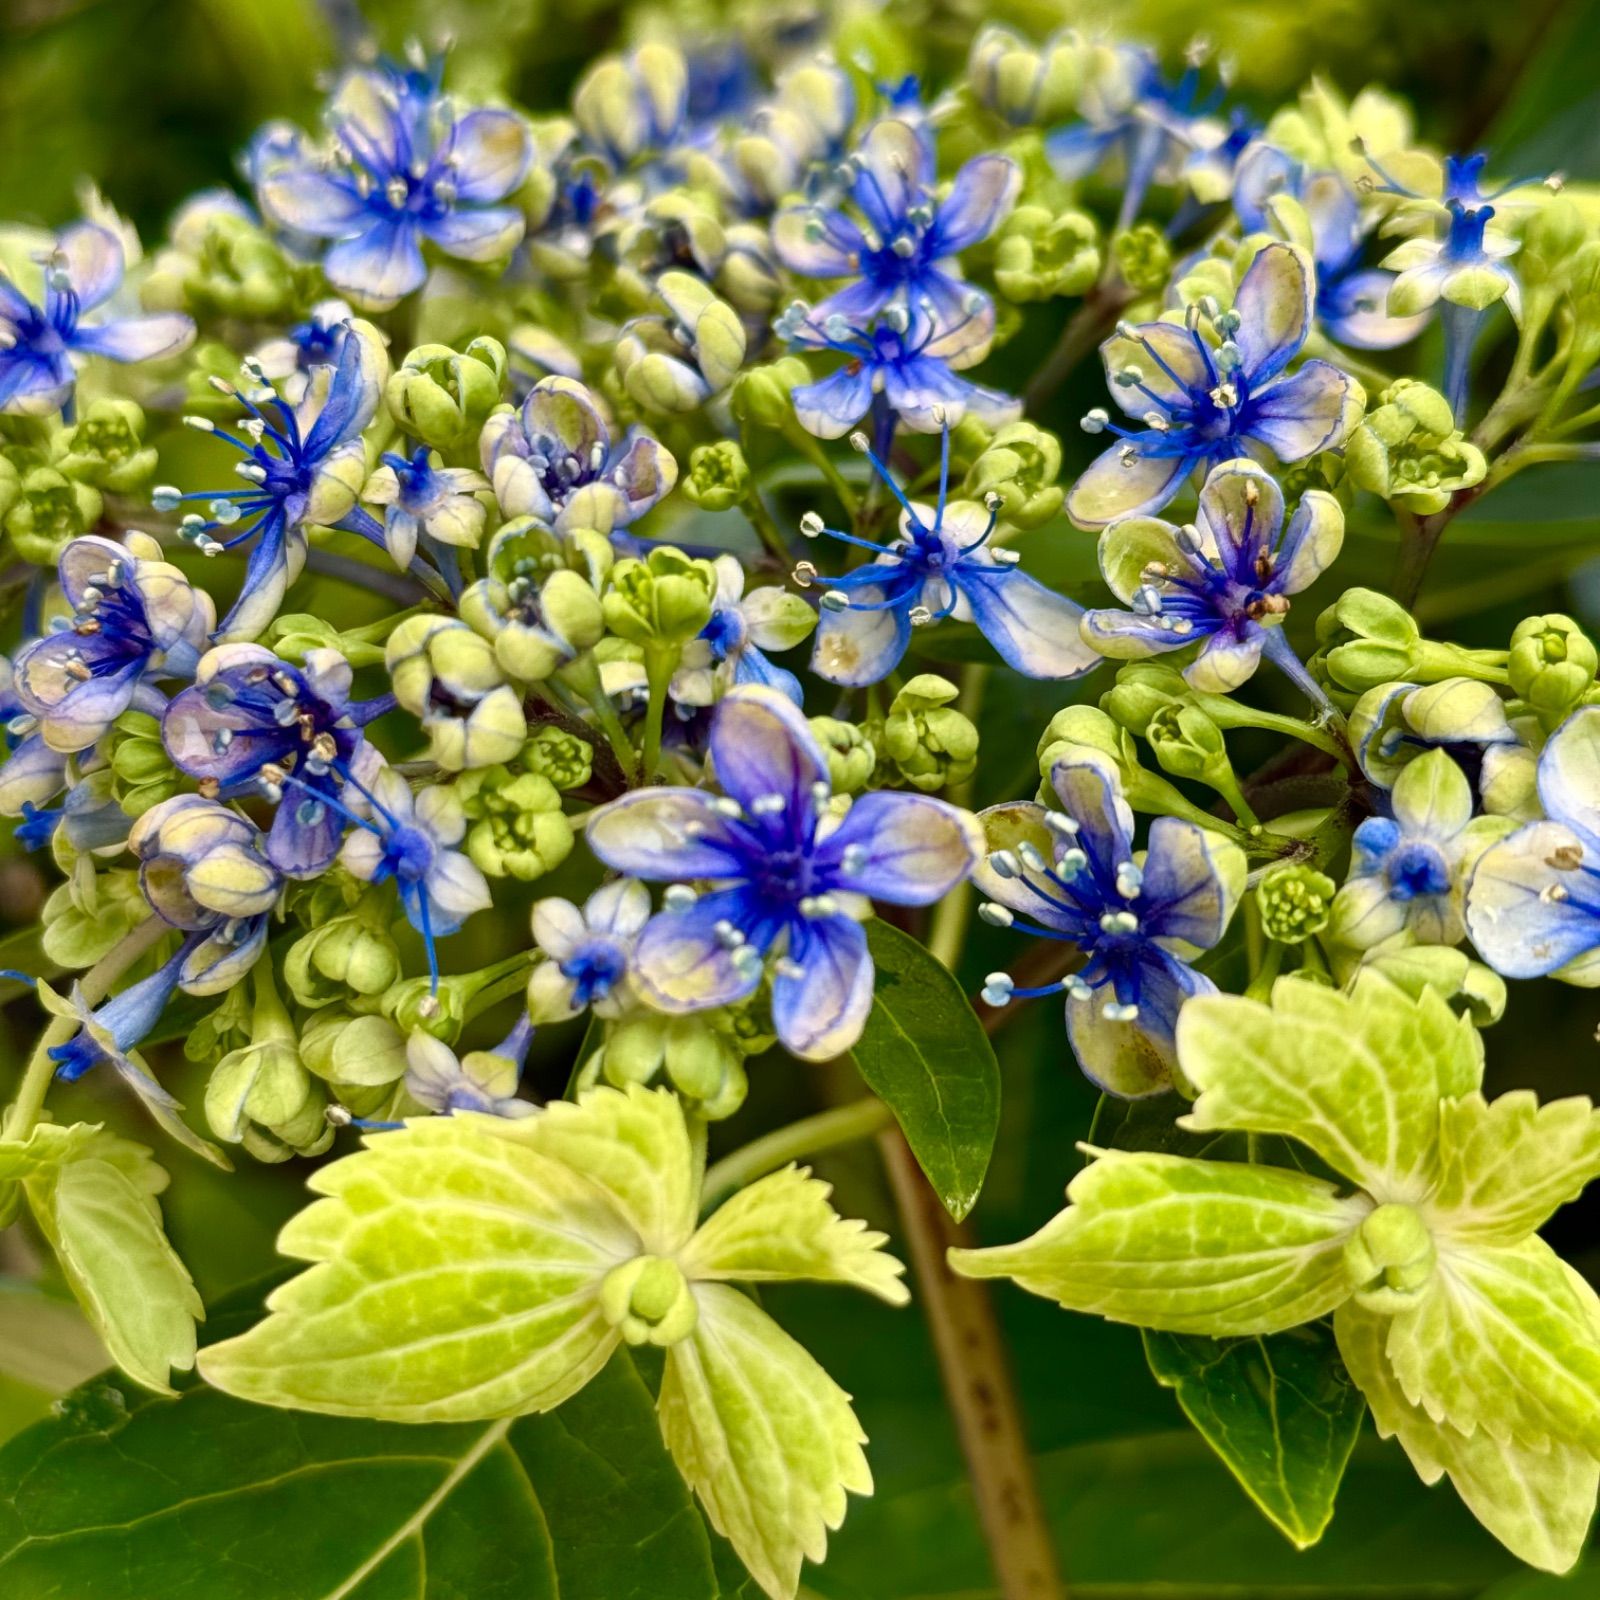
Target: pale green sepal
(97,1207)
(458,1279)
(47,1145)
(763,1435)
(1507,1164)
(1537,1502)
(1357,1077)
(782,1227)
(1188,1246)
(632,1143)
(1500,1340)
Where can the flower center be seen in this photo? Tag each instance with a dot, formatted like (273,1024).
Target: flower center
(1414,869)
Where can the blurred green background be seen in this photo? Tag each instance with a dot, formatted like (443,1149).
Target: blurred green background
(152,98)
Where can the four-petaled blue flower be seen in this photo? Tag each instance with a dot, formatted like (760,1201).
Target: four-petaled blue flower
(1212,388)
(1223,583)
(1533,901)
(420,498)
(942,565)
(304,466)
(42,337)
(787,875)
(247,711)
(905,255)
(904,358)
(404,168)
(732,647)
(587,952)
(1137,926)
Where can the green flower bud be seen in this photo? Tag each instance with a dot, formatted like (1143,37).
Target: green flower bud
(1409,450)
(518,828)
(1024,83)
(10,486)
(264,1084)
(360,1052)
(1295,903)
(221,264)
(1020,464)
(1389,1258)
(1551,666)
(105,447)
(1367,640)
(718,477)
(562,758)
(1041,253)
(443,397)
(142,772)
(292,635)
(663,599)
(351,954)
(1551,237)
(226,1027)
(1584,293)
(699,1056)
(449,677)
(84,918)
(850,754)
(51,510)
(760,396)
(648,1301)
(1142,689)
(674,362)
(1143,257)
(931,744)
(1188,744)
(537,626)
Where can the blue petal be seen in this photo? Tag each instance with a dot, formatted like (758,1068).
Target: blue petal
(753,666)
(1033,628)
(380,267)
(1088,792)
(489,154)
(682,961)
(907,849)
(1110,490)
(984,191)
(1569,775)
(831,407)
(861,647)
(1077,150)
(1274,307)
(1298,416)
(663,835)
(819,1014)
(136,338)
(1186,894)
(1528,911)
(761,745)
(309,201)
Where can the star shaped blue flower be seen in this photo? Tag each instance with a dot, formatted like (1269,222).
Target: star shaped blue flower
(1137,923)
(1212,388)
(787,876)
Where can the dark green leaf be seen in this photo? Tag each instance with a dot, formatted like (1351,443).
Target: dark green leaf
(1151,1123)
(1280,1411)
(128,1497)
(925,1054)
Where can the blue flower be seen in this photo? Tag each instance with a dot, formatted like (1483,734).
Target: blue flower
(1408,872)
(942,565)
(1352,299)
(403,169)
(484,1081)
(1395,723)
(1136,925)
(905,253)
(900,364)
(247,711)
(1533,901)
(587,952)
(731,648)
(787,876)
(42,338)
(289,360)
(304,465)
(1205,400)
(1223,583)
(134,617)
(420,498)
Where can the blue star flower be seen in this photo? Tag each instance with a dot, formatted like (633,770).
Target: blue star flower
(905,254)
(1533,901)
(248,710)
(42,338)
(1223,583)
(787,876)
(403,169)
(1137,925)
(1212,388)
(942,565)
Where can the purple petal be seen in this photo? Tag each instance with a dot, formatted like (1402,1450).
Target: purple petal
(94,262)
(1129,636)
(489,153)
(485,235)
(1088,793)
(313,202)
(136,338)
(895,169)
(1274,306)
(815,243)
(682,961)
(380,267)
(1311,411)
(663,835)
(762,745)
(1033,628)
(980,199)
(907,849)
(820,1013)
(1186,894)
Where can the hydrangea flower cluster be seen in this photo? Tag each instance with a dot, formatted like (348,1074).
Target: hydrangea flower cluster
(305,705)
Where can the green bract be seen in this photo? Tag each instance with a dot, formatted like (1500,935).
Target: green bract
(1472,1340)
(468,1268)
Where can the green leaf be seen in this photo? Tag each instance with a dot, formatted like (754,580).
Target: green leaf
(763,1435)
(1357,1077)
(1208,1247)
(207,1498)
(98,1210)
(924,1053)
(1280,1411)
(1537,1502)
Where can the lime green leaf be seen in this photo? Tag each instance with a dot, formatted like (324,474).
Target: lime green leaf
(632,1144)
(1537,1502)
(99,1212)
(763,1435)
(129,1497)
(1356,1077)
(1280,1411)
(783,1227)
(1189,1246)
(924,1053)
(47,1145)
(1507,1164)
(1500,1339)
(457,1278)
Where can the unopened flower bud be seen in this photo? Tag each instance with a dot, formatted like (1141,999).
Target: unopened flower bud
(518,828)
(649,1301)
(1551,666)
(663,598)
(849,752)
(718,477)
(49,512)
(1020,463)
(1295,903)
(352,954)
(1041,252)
(1409,450)
(1188,744)
(760,396)
(930,743)
(1390,1258)
(561,757)
(106,448)
(443,397)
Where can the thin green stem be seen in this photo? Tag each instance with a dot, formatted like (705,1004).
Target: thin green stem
(766,529)
(659,665)
(812,450)
(807,1137)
